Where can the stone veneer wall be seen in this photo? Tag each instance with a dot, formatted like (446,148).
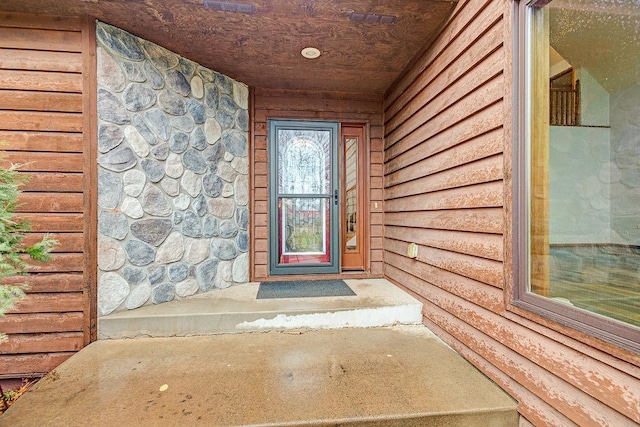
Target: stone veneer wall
(173,176)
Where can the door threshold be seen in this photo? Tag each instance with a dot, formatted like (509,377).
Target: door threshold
(344,275)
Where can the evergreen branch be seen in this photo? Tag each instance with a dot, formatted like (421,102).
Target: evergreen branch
(12,232)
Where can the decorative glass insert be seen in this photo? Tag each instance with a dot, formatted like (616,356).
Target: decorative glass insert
(304,162)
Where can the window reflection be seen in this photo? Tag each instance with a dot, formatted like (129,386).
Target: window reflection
(585,155)
(351,186)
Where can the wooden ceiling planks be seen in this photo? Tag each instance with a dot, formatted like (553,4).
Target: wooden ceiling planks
(263,49)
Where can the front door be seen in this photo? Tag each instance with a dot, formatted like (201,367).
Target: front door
(303,210)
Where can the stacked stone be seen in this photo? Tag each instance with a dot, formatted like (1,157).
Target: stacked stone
(173,175)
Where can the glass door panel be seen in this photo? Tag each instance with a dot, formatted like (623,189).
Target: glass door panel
(351,190)
(304,230)
(303,197)
(354,238)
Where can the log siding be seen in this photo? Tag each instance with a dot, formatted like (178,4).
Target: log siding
(447,187)
(45,114)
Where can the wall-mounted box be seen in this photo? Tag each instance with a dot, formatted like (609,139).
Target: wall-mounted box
(412,250)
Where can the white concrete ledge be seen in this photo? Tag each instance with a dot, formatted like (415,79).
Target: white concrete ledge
(361,318)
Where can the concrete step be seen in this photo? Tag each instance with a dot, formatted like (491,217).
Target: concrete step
(377,303)
(396,376)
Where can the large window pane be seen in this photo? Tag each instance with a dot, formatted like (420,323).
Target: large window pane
(584,155)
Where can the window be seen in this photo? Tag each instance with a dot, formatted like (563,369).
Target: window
(577,164)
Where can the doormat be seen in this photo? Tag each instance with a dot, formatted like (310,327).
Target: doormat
(304,289)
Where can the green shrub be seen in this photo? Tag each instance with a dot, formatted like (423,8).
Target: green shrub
(14,255)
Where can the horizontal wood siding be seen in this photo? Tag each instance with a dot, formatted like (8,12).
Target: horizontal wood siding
(341,107)
(447,164)
(41,127)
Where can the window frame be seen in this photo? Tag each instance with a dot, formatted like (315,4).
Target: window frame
(601,327)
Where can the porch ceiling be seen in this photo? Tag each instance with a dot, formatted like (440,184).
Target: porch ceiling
(263,49)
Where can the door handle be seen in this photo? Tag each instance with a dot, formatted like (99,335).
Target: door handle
(335,196)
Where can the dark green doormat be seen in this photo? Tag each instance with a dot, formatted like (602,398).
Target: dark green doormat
(304,289)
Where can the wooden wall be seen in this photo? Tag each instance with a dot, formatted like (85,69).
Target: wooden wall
(345,108)
(447,166)
(45,124)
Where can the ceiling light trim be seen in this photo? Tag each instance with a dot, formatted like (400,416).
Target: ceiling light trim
(310,52)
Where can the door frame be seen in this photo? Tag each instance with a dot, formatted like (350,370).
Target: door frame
(275,267)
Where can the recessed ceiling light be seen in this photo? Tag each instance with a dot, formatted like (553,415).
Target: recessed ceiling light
(310,52)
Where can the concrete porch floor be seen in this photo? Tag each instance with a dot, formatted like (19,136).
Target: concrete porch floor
(273,362)
(397,376)
(377,302)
